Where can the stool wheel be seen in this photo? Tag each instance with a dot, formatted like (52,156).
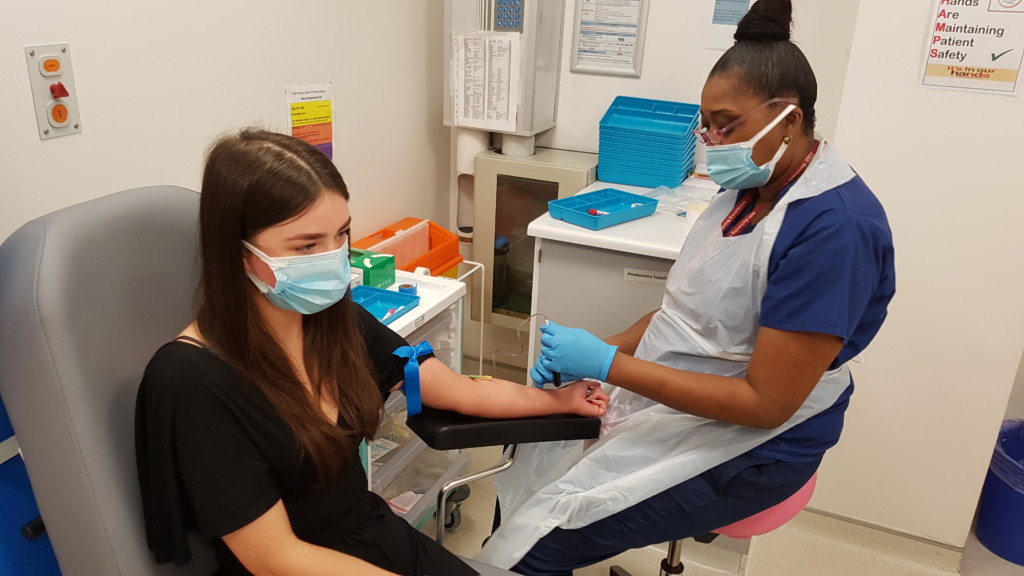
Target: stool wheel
(459,494)
(452,514)
(453,519)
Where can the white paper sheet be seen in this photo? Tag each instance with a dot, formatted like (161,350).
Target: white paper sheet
(486,80)
(720,20)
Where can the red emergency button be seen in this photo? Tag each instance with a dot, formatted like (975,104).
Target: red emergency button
(58,90)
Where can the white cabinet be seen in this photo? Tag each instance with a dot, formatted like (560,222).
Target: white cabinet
(602,280)
(400,463)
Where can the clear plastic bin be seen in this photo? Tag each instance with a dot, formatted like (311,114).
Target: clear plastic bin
(416,243)
(405,243)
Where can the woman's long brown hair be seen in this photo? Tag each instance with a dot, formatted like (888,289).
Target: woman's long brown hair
(253,180)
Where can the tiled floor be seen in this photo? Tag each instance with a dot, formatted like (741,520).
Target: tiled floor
(810,545)
(978,561)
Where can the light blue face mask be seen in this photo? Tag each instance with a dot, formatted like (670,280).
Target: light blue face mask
(305,284)
(732,167)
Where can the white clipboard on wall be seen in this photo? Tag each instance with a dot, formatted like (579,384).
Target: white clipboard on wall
(608,37)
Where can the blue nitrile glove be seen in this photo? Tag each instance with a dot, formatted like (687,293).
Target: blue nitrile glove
(572,352)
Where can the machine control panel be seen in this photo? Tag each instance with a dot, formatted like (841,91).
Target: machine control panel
(508,16)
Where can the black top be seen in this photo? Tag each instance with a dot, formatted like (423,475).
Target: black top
(214,454)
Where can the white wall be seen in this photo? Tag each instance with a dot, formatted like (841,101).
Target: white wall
(157,80)
(675,67)
(934,386)
(1015,409)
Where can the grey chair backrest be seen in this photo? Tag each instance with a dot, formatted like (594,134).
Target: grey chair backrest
(87,295)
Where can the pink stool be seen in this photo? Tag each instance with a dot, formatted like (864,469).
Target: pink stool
(770,519)
(760,523)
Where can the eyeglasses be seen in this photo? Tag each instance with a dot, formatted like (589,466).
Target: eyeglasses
(714,137)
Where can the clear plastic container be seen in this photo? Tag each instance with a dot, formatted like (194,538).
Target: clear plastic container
(405,244)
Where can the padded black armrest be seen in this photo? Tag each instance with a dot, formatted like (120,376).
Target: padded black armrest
(444,430)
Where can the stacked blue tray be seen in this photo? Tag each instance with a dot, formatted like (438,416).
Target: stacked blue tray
(647,143)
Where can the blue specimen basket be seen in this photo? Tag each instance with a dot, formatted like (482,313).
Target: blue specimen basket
(602,208)
(385,305)
(1001,512)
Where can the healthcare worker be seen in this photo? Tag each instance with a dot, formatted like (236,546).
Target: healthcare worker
(248,423)
(725,399)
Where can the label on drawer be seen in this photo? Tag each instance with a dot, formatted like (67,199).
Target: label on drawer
(638,275)
(404,502)
(381,446)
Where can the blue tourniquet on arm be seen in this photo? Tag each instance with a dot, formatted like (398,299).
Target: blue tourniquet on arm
(411,386)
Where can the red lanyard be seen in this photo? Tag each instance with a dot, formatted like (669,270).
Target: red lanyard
(748,197)
(751,194)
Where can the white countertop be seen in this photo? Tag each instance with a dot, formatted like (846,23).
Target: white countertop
(659,235)
(436,294)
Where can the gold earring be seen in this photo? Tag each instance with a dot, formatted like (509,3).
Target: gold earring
(785,140)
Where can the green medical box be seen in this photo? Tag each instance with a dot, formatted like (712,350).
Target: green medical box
(378,270)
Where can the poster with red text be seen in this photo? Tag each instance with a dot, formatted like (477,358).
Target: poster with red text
(976,45)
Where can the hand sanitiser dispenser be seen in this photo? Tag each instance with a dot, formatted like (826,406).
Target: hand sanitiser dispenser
(501,65)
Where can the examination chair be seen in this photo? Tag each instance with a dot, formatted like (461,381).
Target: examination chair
(87,295)
(443,430)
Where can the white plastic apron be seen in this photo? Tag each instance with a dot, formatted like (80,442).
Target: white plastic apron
(708,322)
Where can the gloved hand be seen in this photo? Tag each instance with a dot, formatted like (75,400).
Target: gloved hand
(572,352)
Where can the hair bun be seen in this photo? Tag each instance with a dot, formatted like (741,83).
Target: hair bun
(766,21)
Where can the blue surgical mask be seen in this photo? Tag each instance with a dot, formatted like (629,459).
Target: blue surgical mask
(732,167)
(305,284)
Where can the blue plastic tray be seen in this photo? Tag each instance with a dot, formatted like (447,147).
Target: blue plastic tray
(680,146)
(640,155)
(643,164)
(637,179)
(618,143)
(385,305)
(645,158)
(603,169)
(641,167)
(680,171)
(633,115)
(641,115)
(616,207)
